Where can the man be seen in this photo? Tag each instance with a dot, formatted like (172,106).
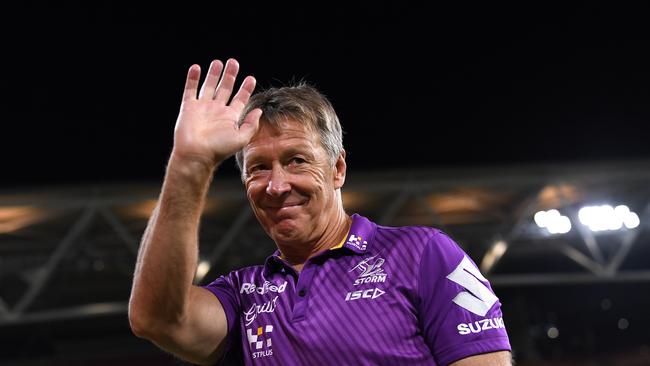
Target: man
(339,290)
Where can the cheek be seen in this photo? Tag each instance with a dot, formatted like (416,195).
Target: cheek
(313,182)
(310,183)
(254,191)
(319,175)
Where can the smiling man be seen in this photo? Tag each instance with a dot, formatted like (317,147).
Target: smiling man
(340,289)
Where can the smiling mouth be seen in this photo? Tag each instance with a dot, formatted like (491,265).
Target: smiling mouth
(285,206)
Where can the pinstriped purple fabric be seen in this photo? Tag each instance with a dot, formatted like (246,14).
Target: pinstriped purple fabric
(382,299)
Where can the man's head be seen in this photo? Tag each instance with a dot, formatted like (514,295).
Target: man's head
(301,103)
(294,166)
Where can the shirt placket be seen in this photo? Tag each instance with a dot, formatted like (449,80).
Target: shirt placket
(302,292)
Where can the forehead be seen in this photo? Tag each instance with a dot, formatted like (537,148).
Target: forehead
(287,134)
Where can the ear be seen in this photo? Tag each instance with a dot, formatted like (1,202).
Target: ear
(340,168)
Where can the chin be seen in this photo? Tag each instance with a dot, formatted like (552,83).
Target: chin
(287,230)
(286,225)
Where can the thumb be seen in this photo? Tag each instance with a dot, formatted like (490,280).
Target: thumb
(251,124)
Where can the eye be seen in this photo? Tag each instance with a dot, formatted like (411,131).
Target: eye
(297,160)
(256,168)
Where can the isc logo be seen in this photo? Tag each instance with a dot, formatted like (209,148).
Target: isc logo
(371,293)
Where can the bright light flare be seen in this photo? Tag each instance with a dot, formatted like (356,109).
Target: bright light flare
(553,221)
(608,218)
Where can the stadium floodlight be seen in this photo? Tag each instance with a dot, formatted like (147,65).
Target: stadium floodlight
(608,218)
(631,221)
(202,269)
(493,255)
(553,221)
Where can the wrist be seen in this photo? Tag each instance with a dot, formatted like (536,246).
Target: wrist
(192,165)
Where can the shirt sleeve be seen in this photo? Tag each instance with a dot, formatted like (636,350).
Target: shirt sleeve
(225,291)
(459,314)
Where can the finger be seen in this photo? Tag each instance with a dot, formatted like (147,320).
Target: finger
(211,80)
(243,95)
(251,124)
(224,90)
(192,82)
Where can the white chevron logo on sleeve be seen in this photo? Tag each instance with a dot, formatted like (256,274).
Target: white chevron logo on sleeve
(478,298)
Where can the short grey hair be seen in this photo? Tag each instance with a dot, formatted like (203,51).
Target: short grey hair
(304,104)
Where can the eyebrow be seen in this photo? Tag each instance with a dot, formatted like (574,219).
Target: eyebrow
(303,149)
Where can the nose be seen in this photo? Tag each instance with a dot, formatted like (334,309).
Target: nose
(278,182)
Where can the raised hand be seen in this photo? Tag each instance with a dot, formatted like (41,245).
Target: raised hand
(206,129)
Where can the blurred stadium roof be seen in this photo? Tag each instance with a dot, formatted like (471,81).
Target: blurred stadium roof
(68,253)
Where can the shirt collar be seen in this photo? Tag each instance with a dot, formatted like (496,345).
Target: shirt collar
(360,235)
(358,240)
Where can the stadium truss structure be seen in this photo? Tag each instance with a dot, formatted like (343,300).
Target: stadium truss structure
(69,252)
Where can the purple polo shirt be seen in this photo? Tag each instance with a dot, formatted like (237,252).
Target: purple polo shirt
(388,296)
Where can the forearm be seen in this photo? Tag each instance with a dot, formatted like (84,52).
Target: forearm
(168,252)
(499,358)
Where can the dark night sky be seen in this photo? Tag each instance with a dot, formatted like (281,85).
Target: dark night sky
(94,90)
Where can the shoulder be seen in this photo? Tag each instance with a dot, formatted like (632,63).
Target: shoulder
(416,238)
(429,248)
(418,246)
(407,235)
(238,277)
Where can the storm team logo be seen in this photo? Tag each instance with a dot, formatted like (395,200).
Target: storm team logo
(370,270)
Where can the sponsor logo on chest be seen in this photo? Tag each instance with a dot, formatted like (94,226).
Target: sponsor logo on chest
(259,340)
(368,270)
(251,314)
(371,293)
(249,288)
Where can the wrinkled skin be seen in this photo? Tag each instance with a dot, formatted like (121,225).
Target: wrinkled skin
(294,189)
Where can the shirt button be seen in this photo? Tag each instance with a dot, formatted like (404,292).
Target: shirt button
(302,293)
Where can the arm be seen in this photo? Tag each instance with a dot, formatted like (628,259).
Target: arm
(501,358)
(460,316)
(165,307)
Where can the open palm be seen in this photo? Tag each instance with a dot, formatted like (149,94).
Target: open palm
(207,126)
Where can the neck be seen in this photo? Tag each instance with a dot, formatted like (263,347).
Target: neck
(335,230)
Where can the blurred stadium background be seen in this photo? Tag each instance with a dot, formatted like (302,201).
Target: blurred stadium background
(574,282)
(520,128)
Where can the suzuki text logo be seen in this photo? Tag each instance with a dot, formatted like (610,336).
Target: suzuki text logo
(480,326)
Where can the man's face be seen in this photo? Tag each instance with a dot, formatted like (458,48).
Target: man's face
(291,182)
